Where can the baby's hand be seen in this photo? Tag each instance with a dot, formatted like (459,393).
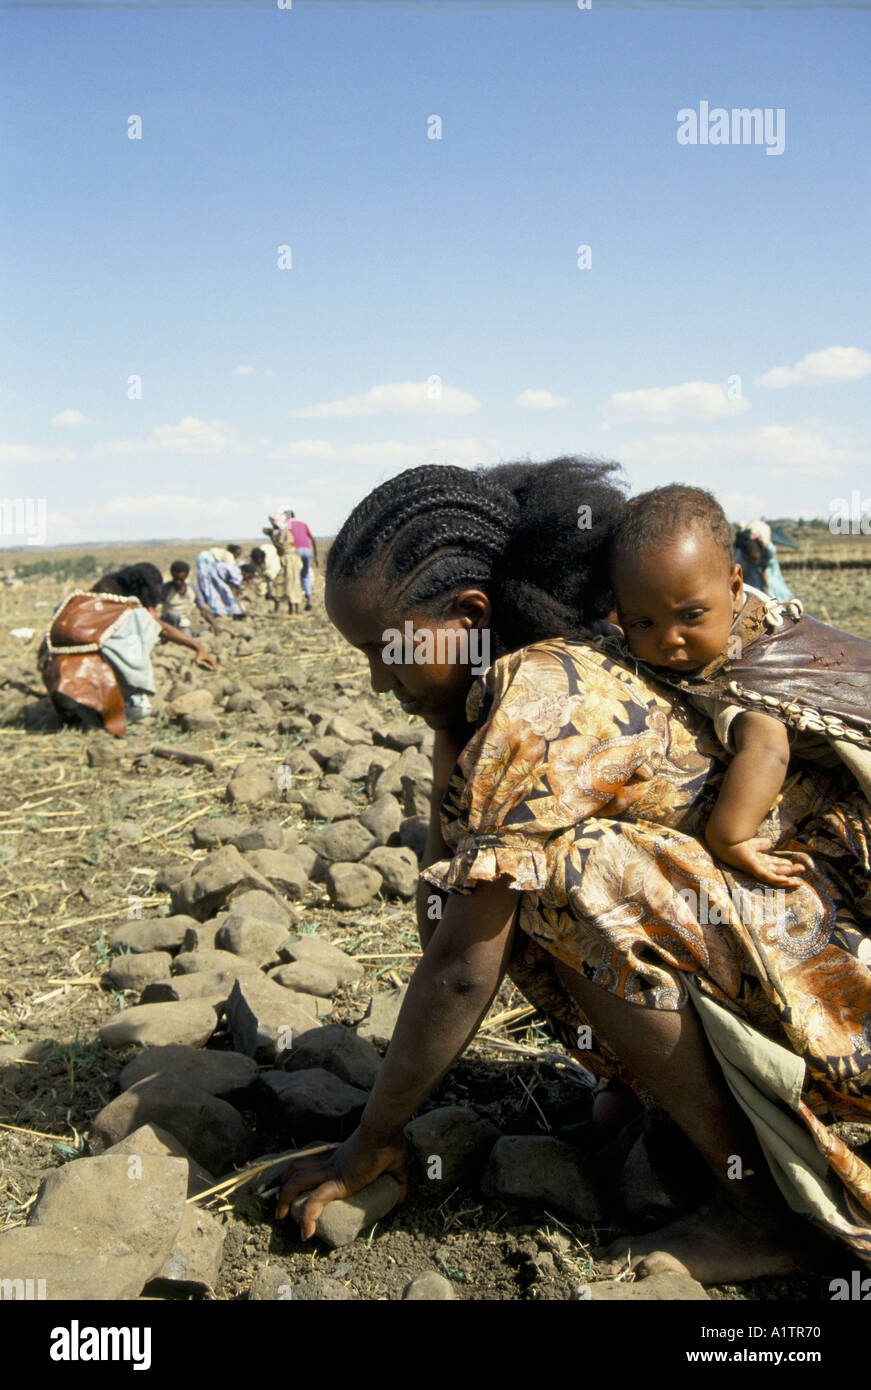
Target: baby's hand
(755,857)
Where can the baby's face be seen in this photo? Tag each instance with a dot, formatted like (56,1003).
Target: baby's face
(676,604)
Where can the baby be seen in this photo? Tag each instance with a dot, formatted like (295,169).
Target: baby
(684,610)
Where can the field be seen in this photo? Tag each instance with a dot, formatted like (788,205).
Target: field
(87,831)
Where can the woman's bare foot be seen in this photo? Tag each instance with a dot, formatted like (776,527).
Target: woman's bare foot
(717,1244)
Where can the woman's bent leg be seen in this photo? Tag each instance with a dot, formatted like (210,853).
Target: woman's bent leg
(747,1230)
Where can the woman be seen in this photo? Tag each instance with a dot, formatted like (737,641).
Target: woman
(95,659)
(219,579)
(757,556)
(286,585)
(567,846)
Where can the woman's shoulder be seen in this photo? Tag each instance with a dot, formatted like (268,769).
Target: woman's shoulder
(560,669)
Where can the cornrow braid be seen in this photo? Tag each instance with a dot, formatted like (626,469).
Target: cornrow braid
(510,531)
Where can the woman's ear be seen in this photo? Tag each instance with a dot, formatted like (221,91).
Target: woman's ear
(474,606)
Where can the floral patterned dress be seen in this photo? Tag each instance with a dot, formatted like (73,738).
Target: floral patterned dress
(589,788)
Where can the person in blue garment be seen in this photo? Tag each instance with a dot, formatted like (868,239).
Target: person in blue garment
(757,555)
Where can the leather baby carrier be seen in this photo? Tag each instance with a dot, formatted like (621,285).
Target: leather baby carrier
(783,663)
(70,659)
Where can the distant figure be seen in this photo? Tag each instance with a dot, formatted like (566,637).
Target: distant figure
(95,659)
(306,549)
(266,564)
(180,598)
(220,579)
(757,557)
(286,584)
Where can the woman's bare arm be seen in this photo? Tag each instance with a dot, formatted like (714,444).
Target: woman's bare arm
(450,992)
(429,901)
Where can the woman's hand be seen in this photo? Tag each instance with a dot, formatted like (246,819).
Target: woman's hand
(205,658)
(349,1168)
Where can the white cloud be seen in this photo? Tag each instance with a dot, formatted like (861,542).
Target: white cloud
(189,436)
(33,453)
(390,454)
(774,452)
(820,369)
(540,400)
(742,506)
(243,371)
(692,400)
(70,419)
(430,397)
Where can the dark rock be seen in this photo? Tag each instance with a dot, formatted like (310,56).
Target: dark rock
(193,962)
(214,832)
(377,1027)
(362,763)
(413,832)
(212,985)
(666,1287)
(151,1139)
(262,1018)
(192,1021)
(382,819)
(319,952)
(267,907)
(398,868)
(430,1287)
(322,749)
(249,937)
(215,881)
(77,1263)
(342,1221)
(352,885)
(155,934)
(202,936)
(307,978)
(536,1168)
(282,870)
(458,1138)
(416,793)
(211,1130)
(251,784)
(135,971)
(316,1104)
(338,1050)
(140,1199)
(349,732)
(268,835)
(398,735)
(343,843)
(326,805)
(218,1073)
(193,1265)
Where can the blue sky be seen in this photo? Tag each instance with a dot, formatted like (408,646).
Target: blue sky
(434,309)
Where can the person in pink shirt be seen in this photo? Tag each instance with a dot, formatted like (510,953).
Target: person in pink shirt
(306,549)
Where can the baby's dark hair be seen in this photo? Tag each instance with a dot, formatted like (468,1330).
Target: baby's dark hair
(654,518)
(178,568)
(258,555)
(514,531)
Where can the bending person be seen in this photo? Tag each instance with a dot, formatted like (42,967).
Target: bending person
(566,847)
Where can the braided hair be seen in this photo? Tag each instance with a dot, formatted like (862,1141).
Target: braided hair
(512,531)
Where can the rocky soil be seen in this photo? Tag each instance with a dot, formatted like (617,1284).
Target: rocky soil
(206,930)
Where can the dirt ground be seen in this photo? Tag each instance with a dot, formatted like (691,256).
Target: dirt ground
(81,845)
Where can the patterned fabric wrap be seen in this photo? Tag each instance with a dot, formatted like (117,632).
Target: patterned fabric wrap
(589,788)
(214,578)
